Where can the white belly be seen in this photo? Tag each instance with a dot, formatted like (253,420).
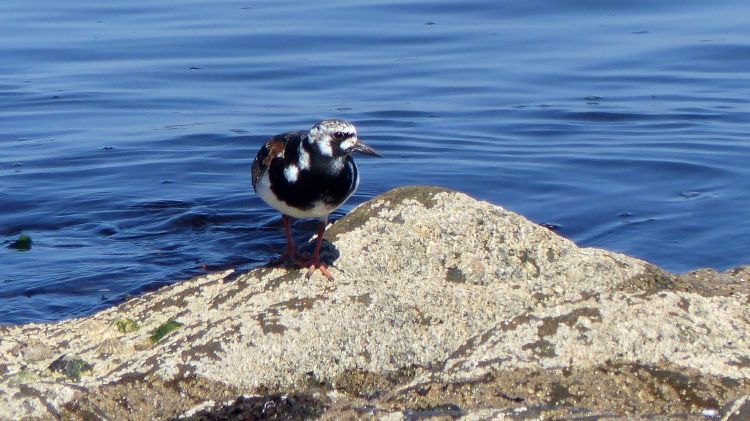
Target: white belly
(319,210)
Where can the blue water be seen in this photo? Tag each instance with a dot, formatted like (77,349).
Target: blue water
(127,128)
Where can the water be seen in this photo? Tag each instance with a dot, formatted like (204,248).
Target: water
(127,128)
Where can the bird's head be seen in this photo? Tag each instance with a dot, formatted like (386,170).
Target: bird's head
(337,138)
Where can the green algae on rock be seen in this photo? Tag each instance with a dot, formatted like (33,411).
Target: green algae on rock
(22,243)
(163,329)
(71,366)
(126,325)
(24,376)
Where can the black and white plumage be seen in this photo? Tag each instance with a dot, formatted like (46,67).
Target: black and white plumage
(309,175)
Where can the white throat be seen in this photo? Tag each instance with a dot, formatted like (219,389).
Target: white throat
(325,147)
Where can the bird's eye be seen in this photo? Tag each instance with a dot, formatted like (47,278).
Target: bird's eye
(338,135)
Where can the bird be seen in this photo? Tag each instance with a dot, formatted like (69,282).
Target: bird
(309,174)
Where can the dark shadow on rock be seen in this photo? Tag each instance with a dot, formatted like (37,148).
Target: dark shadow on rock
(328,252)
(328,255)
(270,407)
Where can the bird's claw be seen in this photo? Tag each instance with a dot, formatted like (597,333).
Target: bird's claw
(302,261)
(322,267)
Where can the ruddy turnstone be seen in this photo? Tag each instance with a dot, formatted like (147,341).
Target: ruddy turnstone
(309,175)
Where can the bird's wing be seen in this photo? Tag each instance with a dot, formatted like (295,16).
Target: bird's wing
(273,148)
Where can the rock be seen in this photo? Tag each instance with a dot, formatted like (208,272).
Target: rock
(126,325)
(278,406)
(164,329)
(22,243)
(114,346)
(24,376)
(441,306)
(70,366)
(34,351)
(737,410)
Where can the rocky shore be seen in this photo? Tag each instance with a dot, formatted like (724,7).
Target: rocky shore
(441,306)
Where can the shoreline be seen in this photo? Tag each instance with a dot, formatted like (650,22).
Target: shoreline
(441,305)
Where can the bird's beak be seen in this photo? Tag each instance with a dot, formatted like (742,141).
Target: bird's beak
(364,149)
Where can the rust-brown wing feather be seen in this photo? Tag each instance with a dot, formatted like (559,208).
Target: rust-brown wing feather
(273,148)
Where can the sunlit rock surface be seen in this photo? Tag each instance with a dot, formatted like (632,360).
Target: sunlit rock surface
(441,305)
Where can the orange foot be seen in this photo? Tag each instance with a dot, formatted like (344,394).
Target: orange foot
(313,264)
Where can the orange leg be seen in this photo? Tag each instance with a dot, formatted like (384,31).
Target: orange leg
(314,262)
(291,252)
